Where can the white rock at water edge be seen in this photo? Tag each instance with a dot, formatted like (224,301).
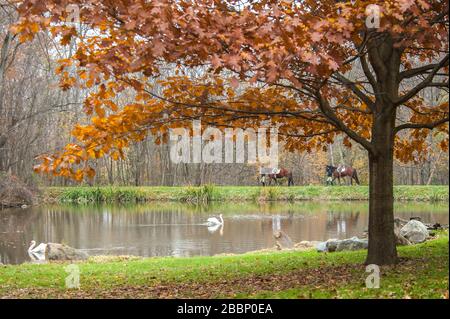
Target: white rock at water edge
(332,245)
(415,231)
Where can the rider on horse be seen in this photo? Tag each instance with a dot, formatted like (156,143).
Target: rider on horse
(339,172)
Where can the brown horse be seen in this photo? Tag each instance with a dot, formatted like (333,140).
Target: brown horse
(283,173)
(334,172)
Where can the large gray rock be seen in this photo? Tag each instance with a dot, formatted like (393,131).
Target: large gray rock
(321,246)
(353,243)
(63,252)
(414,231)
(332,245)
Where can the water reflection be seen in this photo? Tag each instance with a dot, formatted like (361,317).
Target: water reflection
(174,229)
(213,229)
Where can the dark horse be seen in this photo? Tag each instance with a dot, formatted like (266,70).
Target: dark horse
(283,173)
(334,172)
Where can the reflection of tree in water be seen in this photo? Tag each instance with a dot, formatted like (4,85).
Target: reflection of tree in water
(276,224)
(290,215)
(343,222)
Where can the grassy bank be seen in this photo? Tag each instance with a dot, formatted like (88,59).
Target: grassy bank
(422,273)
(210,193)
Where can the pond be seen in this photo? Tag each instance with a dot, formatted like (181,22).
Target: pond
(177,229)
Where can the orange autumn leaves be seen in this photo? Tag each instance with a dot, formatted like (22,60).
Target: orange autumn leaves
(215,102)
(415,146)
(243,64)
(136,35)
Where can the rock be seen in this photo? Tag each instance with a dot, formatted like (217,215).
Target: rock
(414,231)
(353,243)
(305,244)
(332,245)
(322,246)
(63,252)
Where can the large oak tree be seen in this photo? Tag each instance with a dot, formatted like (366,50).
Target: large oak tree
(317,69)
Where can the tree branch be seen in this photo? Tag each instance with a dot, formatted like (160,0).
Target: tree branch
(429,126)
(369,75)
(329,113)
(363,97)
(416,71)
(404,98)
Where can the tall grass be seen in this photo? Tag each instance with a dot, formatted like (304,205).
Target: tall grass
(101,195)
(269,194)
(208,193)
(200,194)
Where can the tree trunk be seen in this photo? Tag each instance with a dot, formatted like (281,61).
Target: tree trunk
(433,169)
(331,153)
(3,141)
(382,248)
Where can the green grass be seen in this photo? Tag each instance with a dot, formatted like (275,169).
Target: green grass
(203,194)
(427,280)
(210,193)
(424,274)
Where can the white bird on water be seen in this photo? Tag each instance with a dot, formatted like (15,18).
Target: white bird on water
(39,250)
(213,221)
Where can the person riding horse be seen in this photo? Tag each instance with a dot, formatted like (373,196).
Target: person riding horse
(334,172)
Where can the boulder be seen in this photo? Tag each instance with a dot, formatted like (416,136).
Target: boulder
(305,244)
(332,245)
(414,231)
(353,243)
(63,252)
(321,247)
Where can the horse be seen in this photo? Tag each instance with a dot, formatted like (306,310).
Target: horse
(283,173)
(334,172)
